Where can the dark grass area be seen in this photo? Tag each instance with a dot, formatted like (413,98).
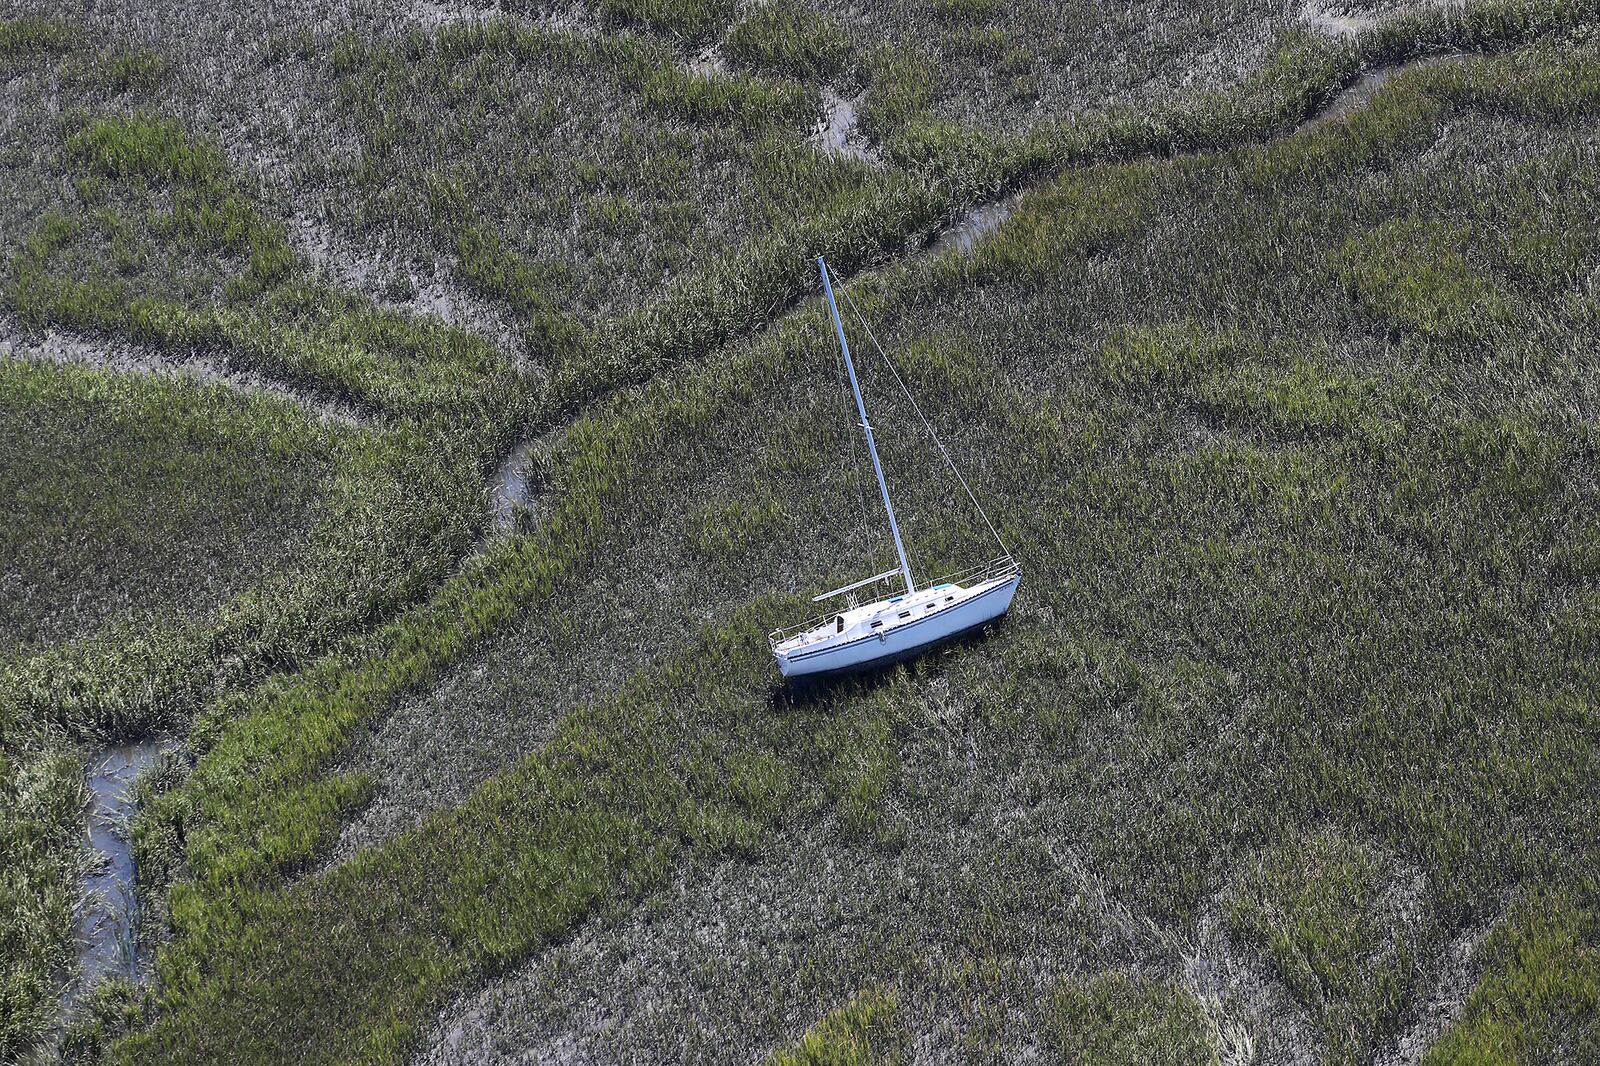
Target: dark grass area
(162,245)
(1304,658)
(1540,988)
(136,506)
(226,539)
(135,498)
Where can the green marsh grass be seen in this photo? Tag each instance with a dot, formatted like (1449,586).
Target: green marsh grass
(1300,573)
(129,71)
(213,272)
(442,403)
(179,539)
(949,166)
(135,497)
(1302,523)
(789,40)
(176,539)
(1540,992)
(1117,1020)
(861,1032)
(690,19)
(1332,922)
(25,39)
(1004,67)
(44,794)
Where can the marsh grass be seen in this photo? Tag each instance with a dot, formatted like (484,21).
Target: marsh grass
(44,793)
(1026,64)
(446,403)
(213,272)
(789,40)
(484,916)
(1302,555)
(1302,529)
(861,1032)
(690,19)
(130,71)
(1118,1020)
(949,166)
(134,497)
(245,536)
(26,39)
(646,167)
(177,540)
(1540,991)
(1322,911)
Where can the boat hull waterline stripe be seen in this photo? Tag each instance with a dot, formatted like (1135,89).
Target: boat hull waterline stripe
(898,629)
(900,641)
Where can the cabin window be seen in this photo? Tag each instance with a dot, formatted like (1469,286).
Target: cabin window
(840,625)
(878,623)
(947,599)
(905,614)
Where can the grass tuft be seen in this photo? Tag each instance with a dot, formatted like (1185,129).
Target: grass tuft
(1116,1020)
(862,1032)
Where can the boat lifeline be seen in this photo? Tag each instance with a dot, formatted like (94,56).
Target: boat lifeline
(888,630)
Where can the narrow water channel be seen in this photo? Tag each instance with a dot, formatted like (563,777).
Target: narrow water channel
(964,233)
(108,917)
(978,222)
(513,487)
(1359,93)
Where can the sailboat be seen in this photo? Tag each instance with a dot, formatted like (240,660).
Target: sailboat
(908,623)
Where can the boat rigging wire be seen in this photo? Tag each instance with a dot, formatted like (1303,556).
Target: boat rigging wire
(925,423)
(853,470)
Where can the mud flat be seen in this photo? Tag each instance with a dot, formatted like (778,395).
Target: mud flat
(1335,20)
(205,368)
(392,281)
(837,134)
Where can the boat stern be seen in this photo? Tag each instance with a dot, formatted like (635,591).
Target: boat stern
(782,643)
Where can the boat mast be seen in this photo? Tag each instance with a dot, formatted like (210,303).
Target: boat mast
(877,467)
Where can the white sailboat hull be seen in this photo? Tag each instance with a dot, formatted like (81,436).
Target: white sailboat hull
(935,615)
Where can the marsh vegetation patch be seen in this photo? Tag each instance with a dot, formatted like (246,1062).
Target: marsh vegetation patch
(132,498)
(644,166)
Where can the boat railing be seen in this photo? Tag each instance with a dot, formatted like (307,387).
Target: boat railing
(972,575)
